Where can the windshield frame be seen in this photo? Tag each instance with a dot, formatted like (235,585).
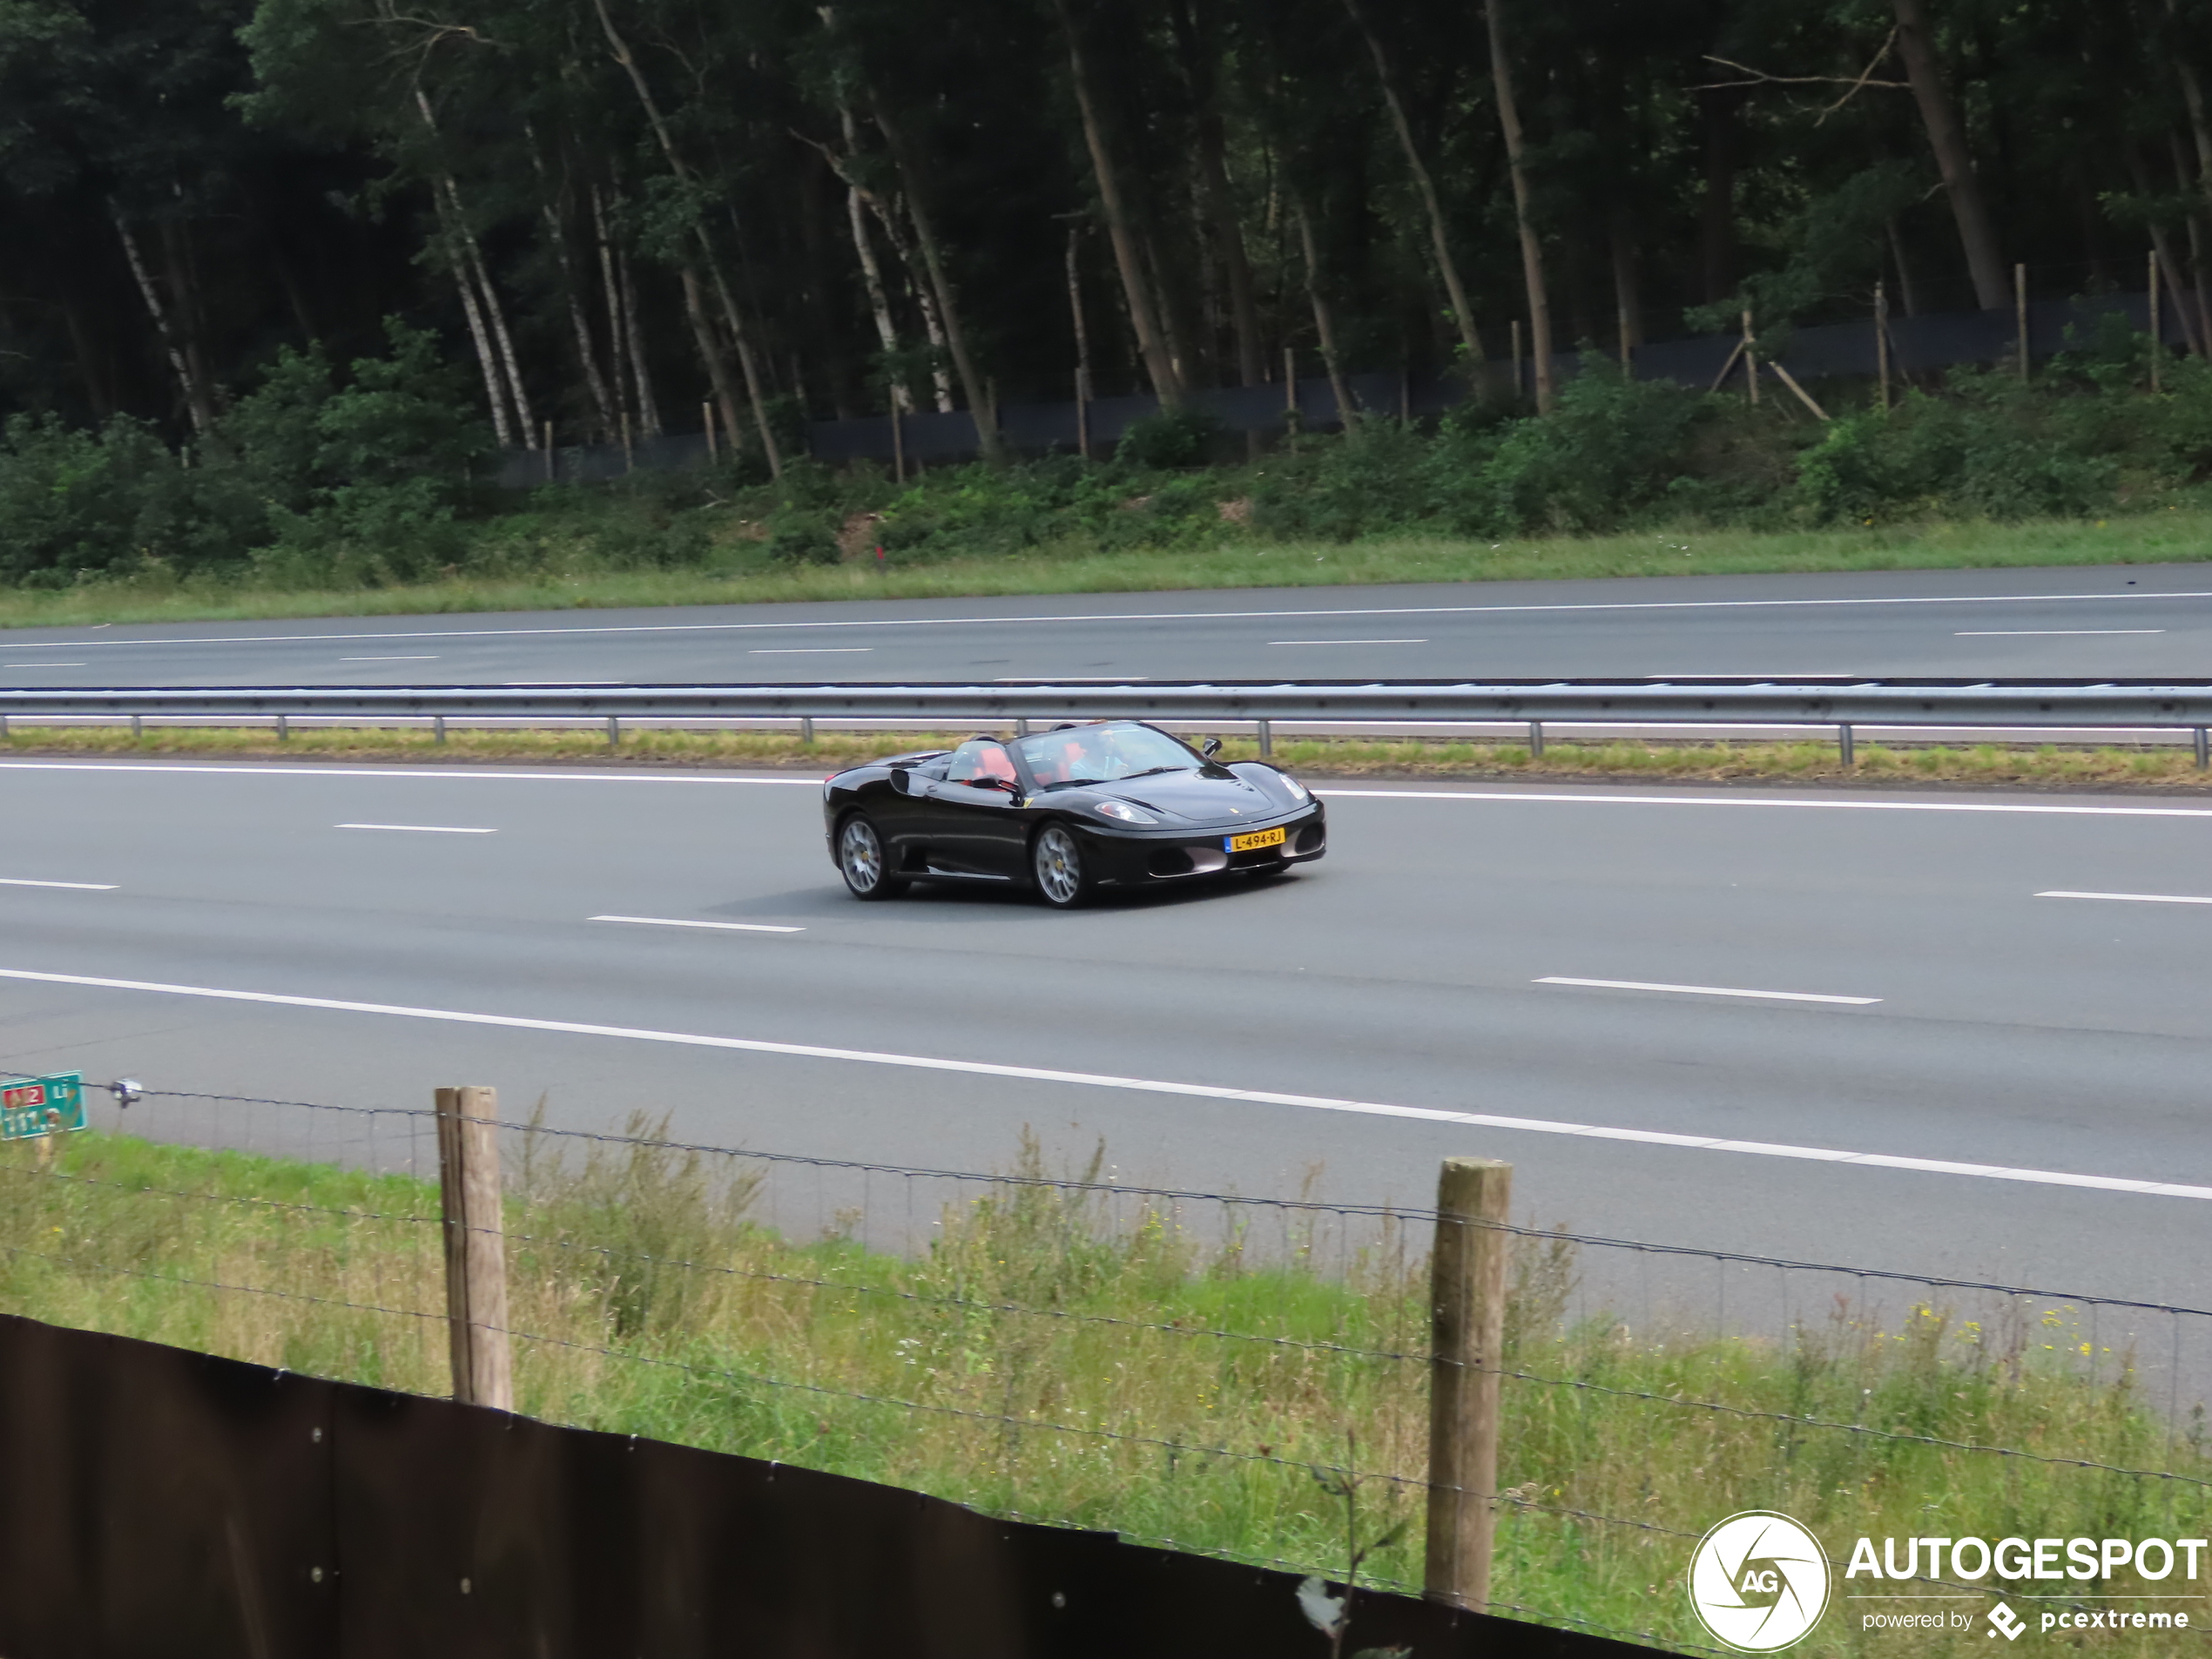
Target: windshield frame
(1020,749)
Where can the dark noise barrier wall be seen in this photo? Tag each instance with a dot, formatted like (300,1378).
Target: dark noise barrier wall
(160,1504)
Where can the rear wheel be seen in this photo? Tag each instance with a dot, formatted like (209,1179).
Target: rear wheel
(1056,861)
(861,860)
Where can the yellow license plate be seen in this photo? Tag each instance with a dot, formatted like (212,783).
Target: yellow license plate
(1256,839)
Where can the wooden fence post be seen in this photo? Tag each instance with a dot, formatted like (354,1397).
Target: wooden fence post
(483,1369)
(2153,319)
(1751,363)
(1468,1324)
(1881,342)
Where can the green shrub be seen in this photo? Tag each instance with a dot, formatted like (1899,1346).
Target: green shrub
(1990,451)
(75,503)
(1171,439)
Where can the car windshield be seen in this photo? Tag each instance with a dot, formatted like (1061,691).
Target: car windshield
(1102,754)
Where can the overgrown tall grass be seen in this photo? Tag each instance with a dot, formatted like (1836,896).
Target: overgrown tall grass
(1050,1356)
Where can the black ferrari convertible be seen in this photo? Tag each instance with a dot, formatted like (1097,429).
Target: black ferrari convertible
(1113,804)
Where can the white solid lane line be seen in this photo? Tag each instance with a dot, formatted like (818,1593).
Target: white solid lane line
(727,927)
(1143,1085)
(810,650)
(2126,898)
(46,664)
(1331,790)
(76,887)
(286,769)
(2048,633)
(1347,642)
(1706,990)
(421,829)
(1125,615)
(387,659)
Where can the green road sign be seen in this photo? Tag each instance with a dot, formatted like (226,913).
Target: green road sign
(30,1107)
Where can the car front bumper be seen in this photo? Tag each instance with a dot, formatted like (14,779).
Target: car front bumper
(1132,858)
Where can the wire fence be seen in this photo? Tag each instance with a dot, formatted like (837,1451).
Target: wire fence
(1922,345)
(1245,1377)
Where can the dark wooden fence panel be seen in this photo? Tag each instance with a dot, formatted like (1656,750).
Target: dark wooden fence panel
(157,1504)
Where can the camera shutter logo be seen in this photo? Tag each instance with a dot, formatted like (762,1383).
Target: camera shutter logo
(1758,1581)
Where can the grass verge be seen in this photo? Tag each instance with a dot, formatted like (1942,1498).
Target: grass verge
(1106,1368)
(582,580)
(2038,766)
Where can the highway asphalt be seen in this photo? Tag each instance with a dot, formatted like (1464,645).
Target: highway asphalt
(1228,1039)
(2133,621)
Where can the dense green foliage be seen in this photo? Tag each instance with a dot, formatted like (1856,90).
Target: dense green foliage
(608,215)
(317,479)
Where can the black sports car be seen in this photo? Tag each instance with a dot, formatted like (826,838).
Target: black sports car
(1113,804)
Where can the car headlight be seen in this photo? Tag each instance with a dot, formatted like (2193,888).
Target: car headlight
(1122,811)
(1299,791)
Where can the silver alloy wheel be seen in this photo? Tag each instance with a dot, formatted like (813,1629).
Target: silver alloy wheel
(1059,864)
(860,855)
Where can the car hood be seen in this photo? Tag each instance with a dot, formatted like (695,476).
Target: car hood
(1194,798)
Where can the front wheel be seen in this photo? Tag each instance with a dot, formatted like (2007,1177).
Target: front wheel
(1056,861)
(861,860)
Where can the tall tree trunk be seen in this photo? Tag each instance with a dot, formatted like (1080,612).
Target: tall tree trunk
(896,231)
(1440,241)
(641,368)
(198,406)
(2193,311)
(587,350)
(709,349)
(981,407)
(97,391)
(887,331)
(496,388)
(189,321)
(1947,137)
(2170,268)
(1716,213)
(1324,323)
(1532,248)
(1083,382)
(462,240)
(610,291)
(1218,202)
(731,317)
(1908,292)
(1151,341)
(1628,291)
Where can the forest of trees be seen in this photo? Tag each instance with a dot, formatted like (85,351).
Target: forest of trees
(609,214)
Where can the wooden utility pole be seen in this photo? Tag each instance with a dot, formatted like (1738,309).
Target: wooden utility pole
(483,1367)
(1751,363)
(2020,312)
(1468,1323)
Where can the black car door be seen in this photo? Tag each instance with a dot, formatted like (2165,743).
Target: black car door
(900,809)
(971,816)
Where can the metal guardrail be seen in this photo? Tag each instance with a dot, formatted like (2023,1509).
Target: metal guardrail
(1840,704)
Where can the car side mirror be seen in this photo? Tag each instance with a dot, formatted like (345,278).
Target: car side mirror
(1210,747)
(902,781)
